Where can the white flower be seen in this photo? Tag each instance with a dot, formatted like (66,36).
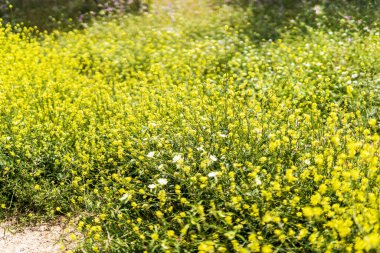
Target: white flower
(213,158)
(161,166)
(258,181)
(176,158)
(213,174)
(151,186)
(307,161)
(162,181)
(150,154)
(318,10)
(353,76)
(124,197)
(223,135)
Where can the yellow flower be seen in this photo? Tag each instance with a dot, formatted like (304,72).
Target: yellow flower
(205,247)
(159,214)
(267,249)
(170,233)
(372,123)
(372,241)
(154,236)
(96,237)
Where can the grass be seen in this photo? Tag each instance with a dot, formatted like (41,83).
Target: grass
(175,132)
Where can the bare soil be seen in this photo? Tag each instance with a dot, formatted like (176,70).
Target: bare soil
(42,238)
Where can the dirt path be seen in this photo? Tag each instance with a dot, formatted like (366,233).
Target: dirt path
(44,238)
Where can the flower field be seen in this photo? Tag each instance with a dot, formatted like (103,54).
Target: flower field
(173,131)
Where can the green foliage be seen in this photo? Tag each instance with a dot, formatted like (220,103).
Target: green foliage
(174,131)
(271,17)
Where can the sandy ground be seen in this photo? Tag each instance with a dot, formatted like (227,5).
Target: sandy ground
(44,238)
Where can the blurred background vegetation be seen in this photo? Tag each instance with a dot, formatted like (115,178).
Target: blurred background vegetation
(50,14)
(267,20)
(271,17)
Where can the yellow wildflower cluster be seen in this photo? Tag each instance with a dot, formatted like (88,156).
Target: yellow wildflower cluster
(174,132)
